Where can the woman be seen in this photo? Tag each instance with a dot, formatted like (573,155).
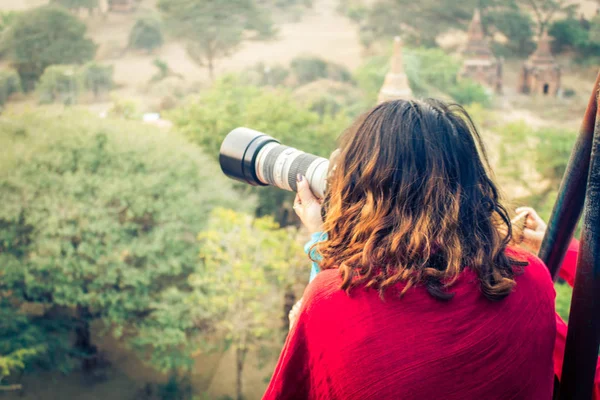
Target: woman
(420,295)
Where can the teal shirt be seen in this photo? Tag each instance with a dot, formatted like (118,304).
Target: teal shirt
(314,238)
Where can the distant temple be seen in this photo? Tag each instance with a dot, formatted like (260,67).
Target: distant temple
(541,73)
(395,85)
(480,64)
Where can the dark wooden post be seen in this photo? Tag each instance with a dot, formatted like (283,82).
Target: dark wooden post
(580,190)
(571,194)
(583,337)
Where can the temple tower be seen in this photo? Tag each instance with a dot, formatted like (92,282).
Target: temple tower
(395,85)
(480,64)
(541,72)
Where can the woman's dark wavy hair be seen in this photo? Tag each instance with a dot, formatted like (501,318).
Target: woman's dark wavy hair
(412,200)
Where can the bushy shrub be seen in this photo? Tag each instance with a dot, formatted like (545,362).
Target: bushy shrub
(9,84)
(146,34)
(124,108)
(7,18)
(430,70)
(97,78)
(517,27)
(327,97)
(233,245)
(59,83)
(261,74)
(46,36)
(99,220)
(369,76)
(467,92)
(309,69)
(567,33)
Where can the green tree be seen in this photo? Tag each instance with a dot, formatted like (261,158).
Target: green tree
(146,34)
(6,20)
(97,78)
(567,33)
(309,69)
(544,11)
(99,223)
(517,26)
(60,83)
(246,263)
(206,120)
(9,84)
(46,36)
(213,28)
(420,22)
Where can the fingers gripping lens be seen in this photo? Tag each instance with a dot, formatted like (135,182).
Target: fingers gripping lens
(258,159)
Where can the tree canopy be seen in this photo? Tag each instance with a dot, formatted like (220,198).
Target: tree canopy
(99,222)
(45,36)
(146,34)
(213,28)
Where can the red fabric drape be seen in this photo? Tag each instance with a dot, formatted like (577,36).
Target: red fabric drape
(359,347)
(567,272)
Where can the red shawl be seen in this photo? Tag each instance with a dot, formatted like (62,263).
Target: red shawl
(360,347)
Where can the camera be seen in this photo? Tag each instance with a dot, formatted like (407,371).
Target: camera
(260,160)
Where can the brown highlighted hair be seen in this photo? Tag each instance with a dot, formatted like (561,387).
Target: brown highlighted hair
(412,200)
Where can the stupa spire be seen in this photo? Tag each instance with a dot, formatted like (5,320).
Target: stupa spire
(475,27)
(477,45)
(543,53)
(396,84)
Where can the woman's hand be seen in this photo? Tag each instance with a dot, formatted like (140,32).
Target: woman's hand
(534,229)
(308,207)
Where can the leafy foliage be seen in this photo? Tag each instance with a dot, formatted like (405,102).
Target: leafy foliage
(213,29)
(66,83)
(584,39)
(548,151)
(7,18)
(517,27)
(309,69)
(544,11)
(9,84)
(567,33)
(60,83)
(99,222)
(247,263)
(97,78)
(207,119)
(419,23)
(261,74)
(146,34)
(468,92)
(46,36)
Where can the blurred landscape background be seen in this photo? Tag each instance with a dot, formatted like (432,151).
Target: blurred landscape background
(130,266)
